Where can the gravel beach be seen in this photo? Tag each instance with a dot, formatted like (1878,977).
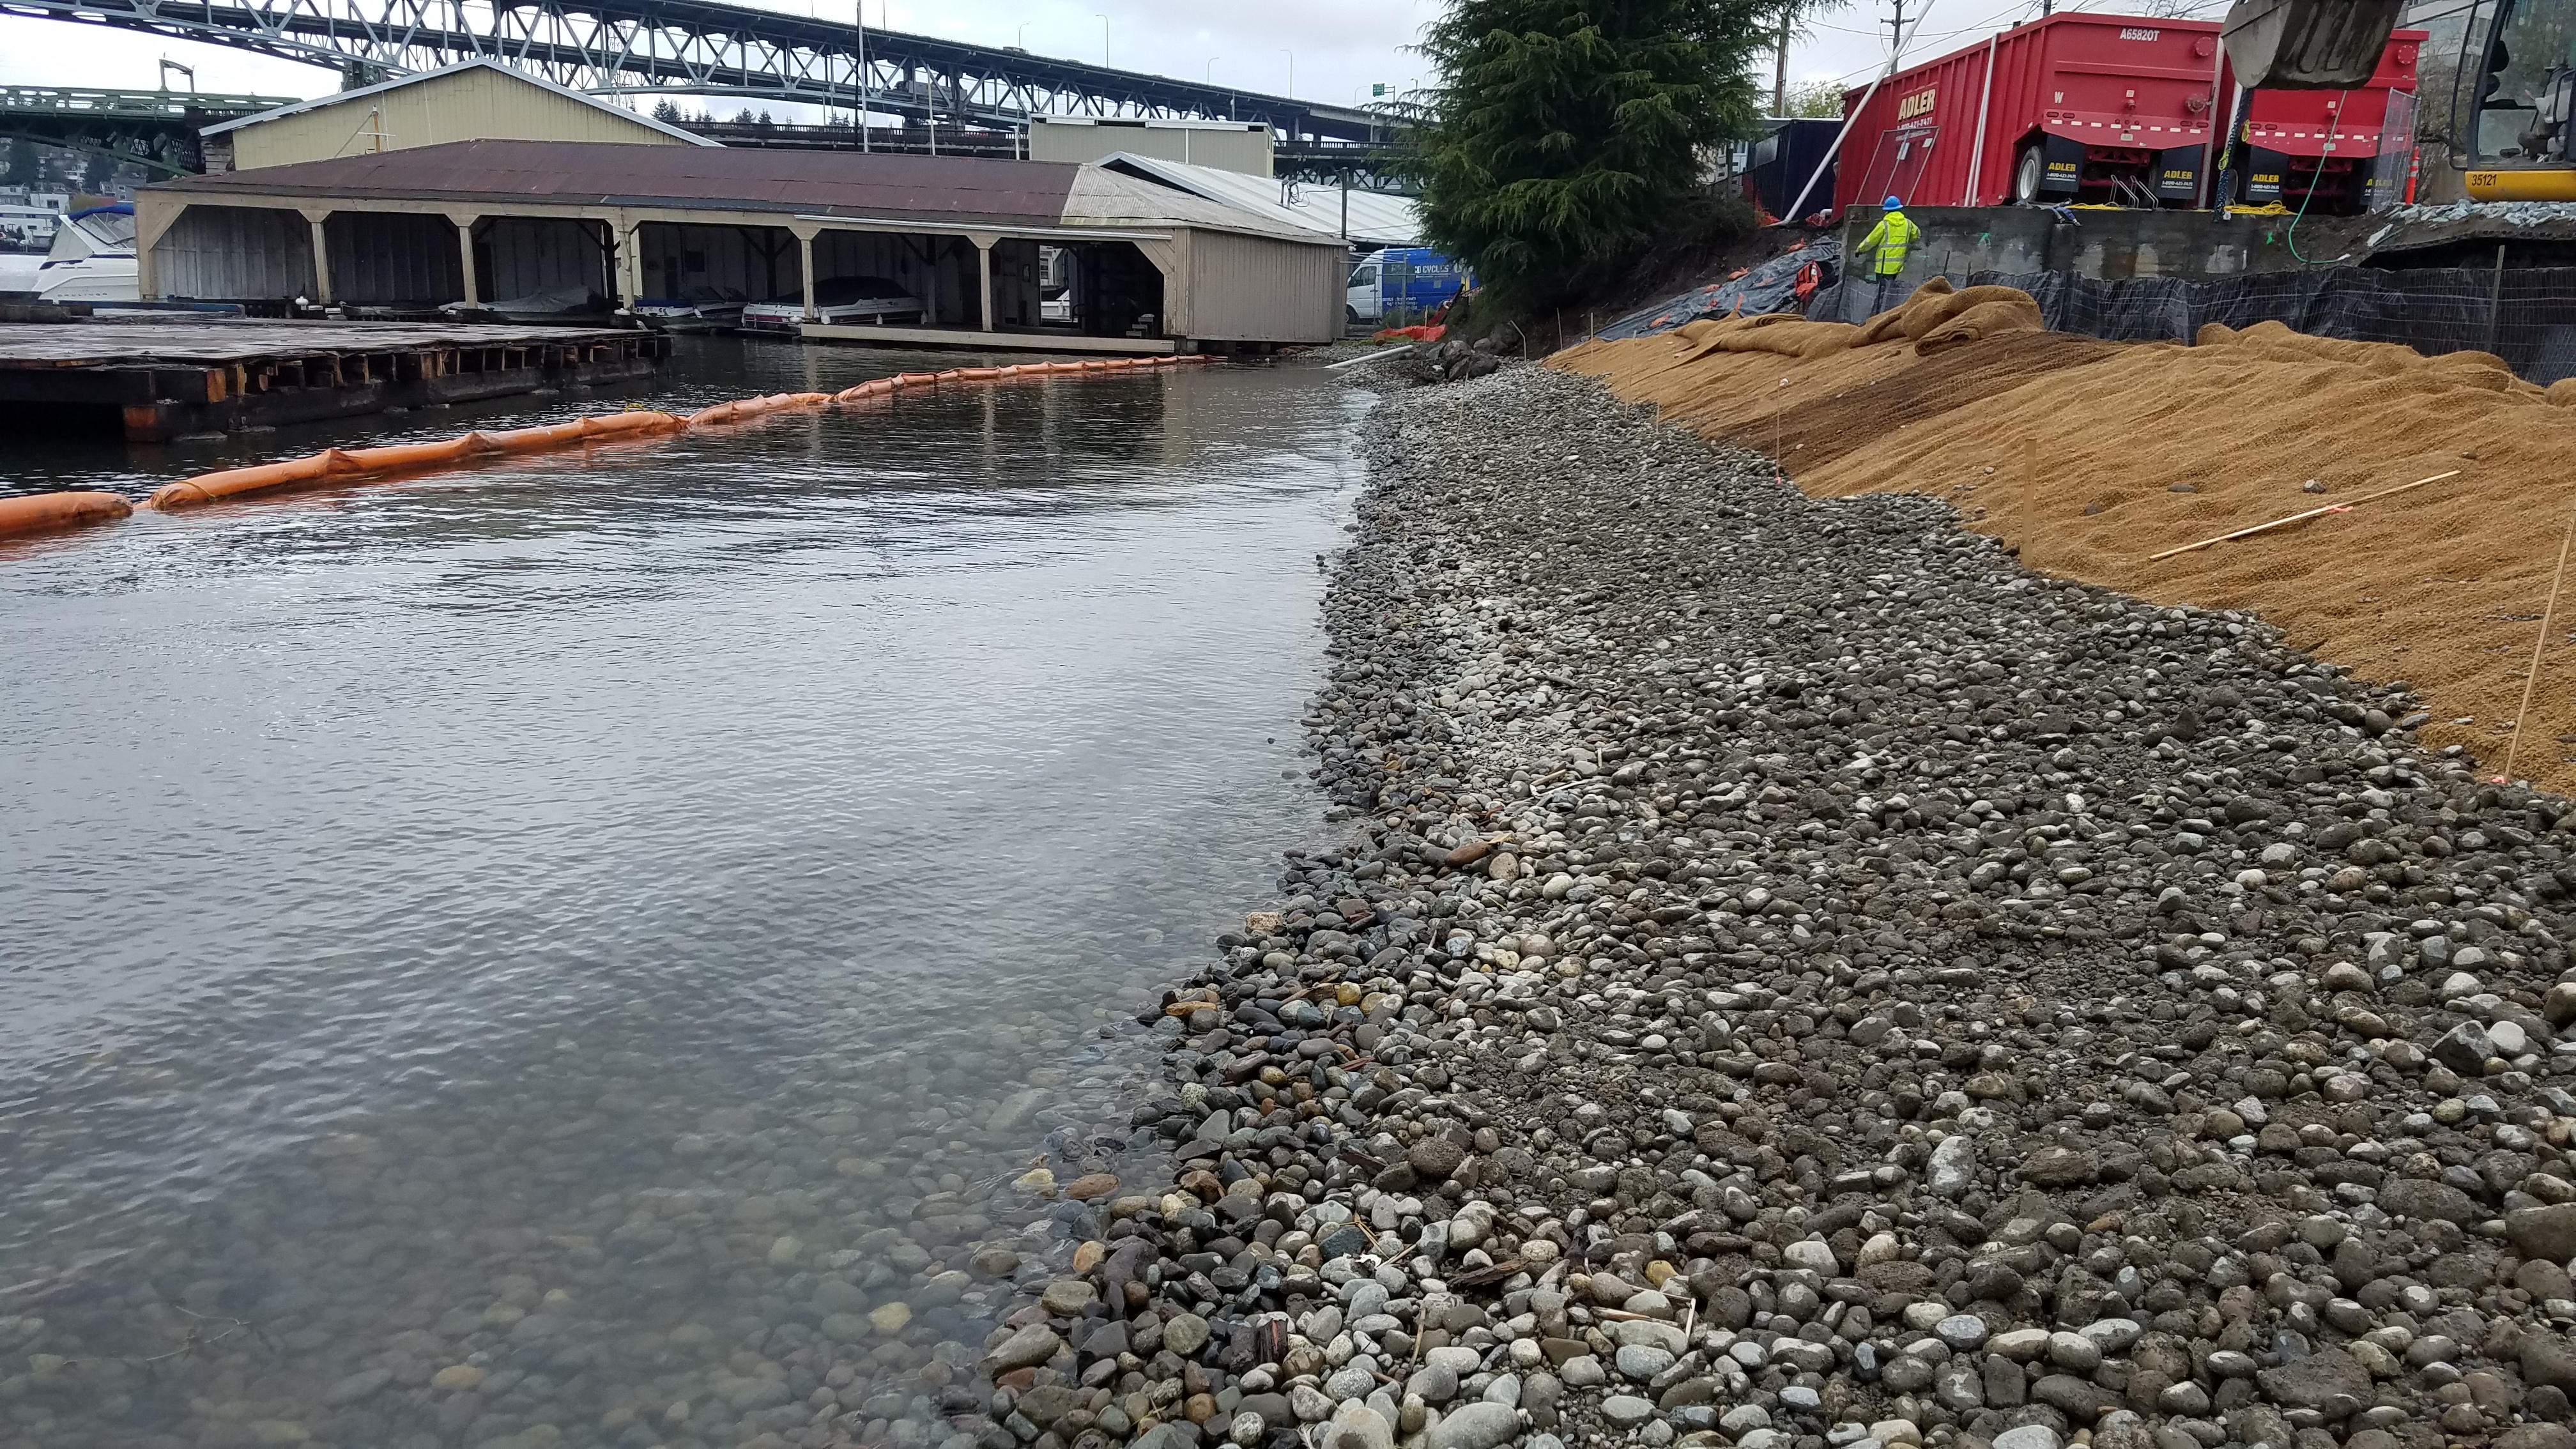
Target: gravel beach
(1796,979)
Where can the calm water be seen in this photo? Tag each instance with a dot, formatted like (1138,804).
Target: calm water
(541,956)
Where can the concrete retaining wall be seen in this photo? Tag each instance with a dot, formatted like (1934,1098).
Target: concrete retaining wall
(2112,245)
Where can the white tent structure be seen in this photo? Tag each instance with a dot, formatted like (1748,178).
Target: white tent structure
(1374,218)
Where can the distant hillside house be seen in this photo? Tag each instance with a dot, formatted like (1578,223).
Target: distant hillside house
(475,100)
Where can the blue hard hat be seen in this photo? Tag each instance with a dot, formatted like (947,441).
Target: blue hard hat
(1894,202)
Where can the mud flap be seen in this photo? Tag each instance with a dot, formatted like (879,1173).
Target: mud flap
(2178,174)
(2062,167)
(2379,180)
(2264,169)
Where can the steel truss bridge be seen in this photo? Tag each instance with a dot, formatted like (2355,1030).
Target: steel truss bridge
(700,47)
(156,130)
(1322,162)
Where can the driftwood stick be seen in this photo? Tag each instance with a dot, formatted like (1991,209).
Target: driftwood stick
(2522,715)
(2296,517)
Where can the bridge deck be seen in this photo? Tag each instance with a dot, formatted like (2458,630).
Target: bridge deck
(709,48)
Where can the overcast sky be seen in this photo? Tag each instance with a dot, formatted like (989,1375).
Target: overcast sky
(1340,47)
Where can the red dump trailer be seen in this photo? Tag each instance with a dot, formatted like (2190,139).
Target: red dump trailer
(2333,152)
(2072,107)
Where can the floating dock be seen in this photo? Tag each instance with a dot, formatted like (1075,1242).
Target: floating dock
(159,380)
(999,339)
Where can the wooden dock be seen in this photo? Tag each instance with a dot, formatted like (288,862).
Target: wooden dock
(160,379)
(999,339)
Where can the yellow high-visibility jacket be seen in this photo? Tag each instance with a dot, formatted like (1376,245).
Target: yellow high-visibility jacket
(1888,242)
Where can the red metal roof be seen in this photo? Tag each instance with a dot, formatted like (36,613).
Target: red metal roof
(951,189)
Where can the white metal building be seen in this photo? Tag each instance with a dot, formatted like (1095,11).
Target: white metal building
(1239,146)
(1367,219)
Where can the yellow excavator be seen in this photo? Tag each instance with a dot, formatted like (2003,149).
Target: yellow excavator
(2512,96)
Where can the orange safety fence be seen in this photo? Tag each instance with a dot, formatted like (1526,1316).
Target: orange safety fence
(71,509)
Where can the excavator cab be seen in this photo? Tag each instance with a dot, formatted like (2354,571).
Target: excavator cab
(2512,99)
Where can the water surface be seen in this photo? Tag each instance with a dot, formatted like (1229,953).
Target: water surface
(540,956)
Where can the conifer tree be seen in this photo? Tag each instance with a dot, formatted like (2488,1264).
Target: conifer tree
(1565,139)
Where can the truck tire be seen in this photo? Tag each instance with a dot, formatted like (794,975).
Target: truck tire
(1354,314)
(2027,174)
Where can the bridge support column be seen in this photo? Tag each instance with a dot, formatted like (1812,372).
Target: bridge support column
(315,216)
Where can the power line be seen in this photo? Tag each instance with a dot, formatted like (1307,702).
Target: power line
(1913,42)
(2019,11)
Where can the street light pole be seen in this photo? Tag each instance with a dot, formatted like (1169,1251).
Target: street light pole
(860,80)
(1104,38)
(1292,89)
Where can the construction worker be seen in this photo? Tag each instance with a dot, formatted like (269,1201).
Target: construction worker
(1884,249)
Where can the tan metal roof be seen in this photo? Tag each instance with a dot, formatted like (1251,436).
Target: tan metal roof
(951,189)
(402,82)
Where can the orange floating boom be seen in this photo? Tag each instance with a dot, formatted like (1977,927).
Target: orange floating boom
(336,465)
(56,512)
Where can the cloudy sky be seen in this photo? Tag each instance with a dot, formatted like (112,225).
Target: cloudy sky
(1338,48)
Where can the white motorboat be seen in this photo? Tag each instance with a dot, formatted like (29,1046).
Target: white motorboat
(92,258)
(574,303)
(18,275)
(703,309)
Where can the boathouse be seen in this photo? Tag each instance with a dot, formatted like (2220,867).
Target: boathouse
(1154,269)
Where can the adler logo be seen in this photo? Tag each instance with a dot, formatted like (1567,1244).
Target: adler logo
(1917,104)
(2138,32)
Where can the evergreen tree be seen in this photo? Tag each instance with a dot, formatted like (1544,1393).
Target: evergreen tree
(667,111)
(1563,139)
(24,169)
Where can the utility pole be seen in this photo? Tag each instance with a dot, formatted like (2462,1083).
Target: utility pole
(1895,53)
(1780,69)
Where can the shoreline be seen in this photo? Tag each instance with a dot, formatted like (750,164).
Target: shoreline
(1798,980)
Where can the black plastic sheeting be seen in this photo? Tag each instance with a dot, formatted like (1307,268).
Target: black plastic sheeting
(1767,287)
(2433,310)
